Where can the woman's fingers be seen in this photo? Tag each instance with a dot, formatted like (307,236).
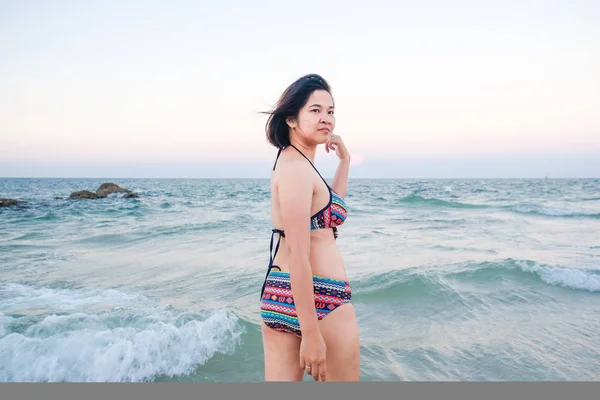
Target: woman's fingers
(318,371)
(322,372)
(314,371)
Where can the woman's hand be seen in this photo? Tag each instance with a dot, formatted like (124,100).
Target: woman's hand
(336,143)
(312,355)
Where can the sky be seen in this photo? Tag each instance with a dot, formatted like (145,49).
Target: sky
(428,89)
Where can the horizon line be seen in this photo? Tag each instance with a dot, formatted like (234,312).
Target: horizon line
(266,178)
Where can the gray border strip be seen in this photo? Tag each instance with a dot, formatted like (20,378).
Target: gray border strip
(303,390)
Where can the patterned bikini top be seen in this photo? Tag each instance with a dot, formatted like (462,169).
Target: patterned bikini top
(333,214)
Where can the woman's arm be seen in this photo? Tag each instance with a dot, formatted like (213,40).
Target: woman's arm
(340,180)
(295,191)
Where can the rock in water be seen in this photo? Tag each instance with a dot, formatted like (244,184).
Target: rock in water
(8,202)
(108,188)
(84,194)
(103,191)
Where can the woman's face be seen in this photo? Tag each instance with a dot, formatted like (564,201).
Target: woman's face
(316,120)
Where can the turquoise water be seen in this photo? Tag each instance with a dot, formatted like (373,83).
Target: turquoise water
(452,279)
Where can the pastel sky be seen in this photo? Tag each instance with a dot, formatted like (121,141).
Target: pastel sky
(429,88)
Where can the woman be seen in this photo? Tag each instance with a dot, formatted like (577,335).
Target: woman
(308,321)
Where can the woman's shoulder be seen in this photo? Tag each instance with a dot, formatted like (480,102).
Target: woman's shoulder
(290,164)
(293,173)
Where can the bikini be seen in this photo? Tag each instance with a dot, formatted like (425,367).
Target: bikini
(277,305)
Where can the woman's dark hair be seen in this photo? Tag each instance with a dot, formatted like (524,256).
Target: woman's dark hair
(289,104)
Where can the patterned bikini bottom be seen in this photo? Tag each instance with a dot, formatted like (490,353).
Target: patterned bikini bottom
(277,305)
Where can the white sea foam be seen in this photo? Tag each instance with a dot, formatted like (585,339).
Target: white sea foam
(575,278)
(133,342)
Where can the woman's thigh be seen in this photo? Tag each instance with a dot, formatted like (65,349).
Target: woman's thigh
(282,355)
(340,331)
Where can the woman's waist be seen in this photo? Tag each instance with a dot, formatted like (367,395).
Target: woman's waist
(328,265)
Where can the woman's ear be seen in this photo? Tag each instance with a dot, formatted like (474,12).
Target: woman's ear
(291,121)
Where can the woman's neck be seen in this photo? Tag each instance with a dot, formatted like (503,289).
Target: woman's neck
(308,151)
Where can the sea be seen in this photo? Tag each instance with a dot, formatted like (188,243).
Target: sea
(452,280)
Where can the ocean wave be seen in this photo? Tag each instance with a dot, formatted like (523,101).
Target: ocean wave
(575,278)
(532,209)
(585,279)
(443,279)
(550,212)
(418,201)
(80,335)
(400,283)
